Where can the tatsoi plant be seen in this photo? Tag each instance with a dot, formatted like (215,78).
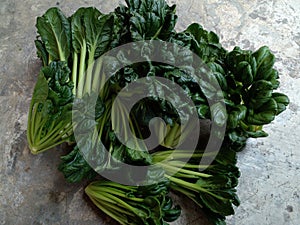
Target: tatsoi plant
(76,41)
(252,100)
(70,81)
(134,205)
(213,189)
(50,115)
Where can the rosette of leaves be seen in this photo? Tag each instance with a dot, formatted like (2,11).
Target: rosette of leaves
(74,42)
(252,98)
(134,204)
(248,81)
(68,48)
(50,114)
(212,187)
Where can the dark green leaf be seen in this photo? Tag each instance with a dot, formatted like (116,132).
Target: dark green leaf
(54,30)
(98,30)
(78,30)
(205,44)
(265,61)
(244,73)
(40,92)
(137,157)
(263,115)
(260,93)
(236,115)
(75,168)
(49,122)
(41,52)
(150,19)
(60,86)
(282,102)
(222,207)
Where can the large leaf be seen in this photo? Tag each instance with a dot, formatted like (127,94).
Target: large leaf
(99,30)
(78,30)
(55,32)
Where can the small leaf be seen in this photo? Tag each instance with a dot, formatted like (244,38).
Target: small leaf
(282,102)
(236,115)
(257,134)
(244,73)
(260,93)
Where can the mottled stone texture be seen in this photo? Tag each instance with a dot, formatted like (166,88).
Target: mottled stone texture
(32,191)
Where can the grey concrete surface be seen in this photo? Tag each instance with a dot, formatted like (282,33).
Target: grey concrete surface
(32,191)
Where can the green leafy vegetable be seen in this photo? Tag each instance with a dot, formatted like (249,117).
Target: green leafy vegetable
(134,205)
(251,97)
(212,189)
(77,41)
(50,115)
(91,36)
(55,34)
(75,168)
(72,102)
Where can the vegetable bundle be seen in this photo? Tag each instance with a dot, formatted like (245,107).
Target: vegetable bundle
(134,205)
(70,79)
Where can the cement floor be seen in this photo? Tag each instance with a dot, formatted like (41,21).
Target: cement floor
(32,191)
